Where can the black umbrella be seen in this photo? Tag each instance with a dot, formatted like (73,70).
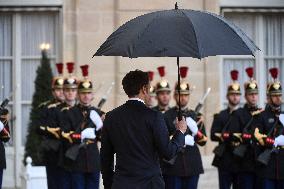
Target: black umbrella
(177,33)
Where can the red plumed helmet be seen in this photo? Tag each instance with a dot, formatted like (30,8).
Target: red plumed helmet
(250,72)
(161,71)
(84,69)
(183,71)
(234,75)
(273,72)
(59,67)
(70,67)
(151,75)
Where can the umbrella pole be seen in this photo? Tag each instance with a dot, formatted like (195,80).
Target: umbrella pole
(179,107)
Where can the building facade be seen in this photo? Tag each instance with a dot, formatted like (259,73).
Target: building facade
(76,28)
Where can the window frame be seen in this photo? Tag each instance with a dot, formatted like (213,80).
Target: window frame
(15,152)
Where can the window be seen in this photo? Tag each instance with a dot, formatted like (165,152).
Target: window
(6,60)
(267,31)
(22,34)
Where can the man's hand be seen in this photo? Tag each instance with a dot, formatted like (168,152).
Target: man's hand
(192,125)
(96,119)
(1,126)
(181,125)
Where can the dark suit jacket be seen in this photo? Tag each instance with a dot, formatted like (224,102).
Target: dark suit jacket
(137,135)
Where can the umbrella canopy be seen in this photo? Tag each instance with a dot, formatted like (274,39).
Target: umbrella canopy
(177,33)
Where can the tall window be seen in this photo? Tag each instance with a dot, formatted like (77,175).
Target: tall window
(6,59)
(22,33)
(267,31)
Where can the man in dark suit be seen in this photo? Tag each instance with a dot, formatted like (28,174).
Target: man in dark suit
(137,135)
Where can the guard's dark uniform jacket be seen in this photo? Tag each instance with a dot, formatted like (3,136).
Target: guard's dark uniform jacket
(48,120)
(188,163)
(157,108)
(275,168)
(77,119)
(4,137)
(248,118)
(228,161)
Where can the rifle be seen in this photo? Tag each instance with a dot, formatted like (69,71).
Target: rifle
(3,105)
(104,98)
(196,112)
(265,156)
(242,148)
(73,152)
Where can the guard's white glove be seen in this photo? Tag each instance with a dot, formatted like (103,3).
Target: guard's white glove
(88,133)
(96,119)
(1,126)
(192,125)
(279,141)
(189,140)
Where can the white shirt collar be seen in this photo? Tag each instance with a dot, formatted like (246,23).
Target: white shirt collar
(233,108)
(138,99)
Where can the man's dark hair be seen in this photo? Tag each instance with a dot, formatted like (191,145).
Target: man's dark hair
(133,81)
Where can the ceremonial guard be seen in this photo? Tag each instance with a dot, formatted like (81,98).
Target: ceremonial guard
(152,93)
(81,129)
(163,92)
(225,130)
(50,131)
(4,137)
(70,88)
(183,171)
(248,117)
(269,135)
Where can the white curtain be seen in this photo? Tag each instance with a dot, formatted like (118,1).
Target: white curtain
(247,23)
(36,28)
(5,55)
(6,61)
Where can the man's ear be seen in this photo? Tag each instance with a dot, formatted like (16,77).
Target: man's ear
(145,89)
(142,90)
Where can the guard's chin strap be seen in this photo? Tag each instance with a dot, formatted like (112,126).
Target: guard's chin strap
(274,107)
(252,107)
